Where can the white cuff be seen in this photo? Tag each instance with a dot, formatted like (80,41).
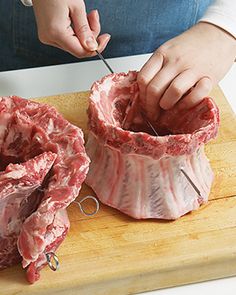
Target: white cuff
(27,2)
(222,13)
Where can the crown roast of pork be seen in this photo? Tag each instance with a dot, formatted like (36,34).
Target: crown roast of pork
(43,164)
(137,172)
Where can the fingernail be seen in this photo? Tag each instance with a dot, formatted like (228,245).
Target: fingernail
(91,43)
(108,38)
(97,15)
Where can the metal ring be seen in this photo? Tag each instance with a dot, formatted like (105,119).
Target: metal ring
(50,255)
(82,209)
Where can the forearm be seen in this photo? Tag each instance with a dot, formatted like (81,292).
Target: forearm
(222,13)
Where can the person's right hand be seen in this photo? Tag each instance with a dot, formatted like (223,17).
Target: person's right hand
(65,24)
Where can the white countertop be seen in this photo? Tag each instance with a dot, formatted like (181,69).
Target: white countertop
(52,80)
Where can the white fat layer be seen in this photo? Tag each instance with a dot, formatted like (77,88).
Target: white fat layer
(16,174)
(50,127)
(40,165)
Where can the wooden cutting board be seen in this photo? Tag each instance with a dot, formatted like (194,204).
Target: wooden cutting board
(111,253)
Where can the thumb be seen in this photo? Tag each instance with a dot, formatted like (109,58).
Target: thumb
(82,29)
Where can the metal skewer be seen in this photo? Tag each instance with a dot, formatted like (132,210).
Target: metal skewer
(181,169)
(191,182)
(82,209)
(105,62)
(80,204)
(143,115)
(52,255)
(149,123)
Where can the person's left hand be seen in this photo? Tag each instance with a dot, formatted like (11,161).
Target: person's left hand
(185,68)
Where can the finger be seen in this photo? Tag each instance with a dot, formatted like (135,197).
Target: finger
(72,45)
(102,42)
(82,28)
(178,88)
(201,90)
(94,23)
(156,89)
(148,71)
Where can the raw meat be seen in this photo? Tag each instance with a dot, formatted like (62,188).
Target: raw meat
(19,197)
(139,173)
(28,129)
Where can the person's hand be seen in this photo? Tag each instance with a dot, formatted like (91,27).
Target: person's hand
(65,24)
(185,68)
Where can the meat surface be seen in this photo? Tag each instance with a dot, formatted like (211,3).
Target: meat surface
(139,173)
(19,197)
(28,129)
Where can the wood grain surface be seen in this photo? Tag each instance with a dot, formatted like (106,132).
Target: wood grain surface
(111,253)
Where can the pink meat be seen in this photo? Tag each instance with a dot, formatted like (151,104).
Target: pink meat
(28,129)
(55,235)
(139,173)
(19,197)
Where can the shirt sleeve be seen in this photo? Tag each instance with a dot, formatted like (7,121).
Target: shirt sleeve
(27,2)
(222,13)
